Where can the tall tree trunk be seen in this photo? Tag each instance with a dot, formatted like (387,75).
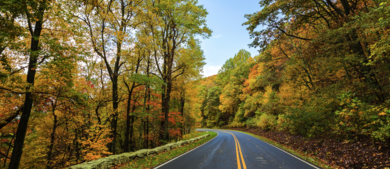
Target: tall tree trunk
(132,147)
(78,150)
(162,124)
(28,102)
(145,102)
(182,102)
(52,138)
(114,120)
(128,117)
(147,133)
(167,95)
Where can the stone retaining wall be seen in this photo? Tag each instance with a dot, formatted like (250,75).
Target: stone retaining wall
(114,160)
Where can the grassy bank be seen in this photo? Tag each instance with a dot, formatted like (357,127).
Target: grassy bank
(152,161)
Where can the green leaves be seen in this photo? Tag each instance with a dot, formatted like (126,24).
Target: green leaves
(144,79)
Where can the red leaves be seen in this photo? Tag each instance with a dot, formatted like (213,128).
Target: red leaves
(173,117)
(174,132)
(4,140)
(156,95)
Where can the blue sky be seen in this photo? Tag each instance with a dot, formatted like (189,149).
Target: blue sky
(225,18)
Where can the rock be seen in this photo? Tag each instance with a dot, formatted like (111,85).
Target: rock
(151,151)
(159,149)
(114,160)
(168,146)
(79,166)
(118,159)
(179,143)
(142,153)
(129,156)
(174,145)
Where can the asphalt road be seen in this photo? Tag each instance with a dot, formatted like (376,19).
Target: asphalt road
(224,152)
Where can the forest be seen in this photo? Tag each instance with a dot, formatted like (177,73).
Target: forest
(80,80)
(323,72)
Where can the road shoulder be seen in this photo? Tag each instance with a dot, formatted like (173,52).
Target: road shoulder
(161,159)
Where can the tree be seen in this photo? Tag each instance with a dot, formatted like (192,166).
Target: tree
(34,13)
(179,20)
(315,22)
(116,20)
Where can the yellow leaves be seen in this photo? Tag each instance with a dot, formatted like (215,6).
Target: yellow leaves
(267,95)
(382,114)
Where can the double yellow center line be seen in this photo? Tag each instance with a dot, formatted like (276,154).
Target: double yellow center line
(238,152)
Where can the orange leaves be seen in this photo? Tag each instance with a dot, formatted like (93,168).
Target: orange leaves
(95,149)
(156,104)
(174,132)
(4,141)
(156,95)
(173,118)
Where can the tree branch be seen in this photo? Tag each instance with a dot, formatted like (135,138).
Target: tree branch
(280,29)
(10,118)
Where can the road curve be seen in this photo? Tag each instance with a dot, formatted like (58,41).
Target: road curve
(236,150)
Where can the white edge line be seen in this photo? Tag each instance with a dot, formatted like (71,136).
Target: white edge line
(285,152)
(183,154)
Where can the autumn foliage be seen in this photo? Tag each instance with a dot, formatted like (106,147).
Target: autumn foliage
(81,80)
(322,74)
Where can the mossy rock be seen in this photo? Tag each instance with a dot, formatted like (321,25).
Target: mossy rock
(142,153)
(168,146)
(129,156)
(80,166)
(180,143)
(118,159)
(174,145)
(151,151)
(159,149)
(113,160)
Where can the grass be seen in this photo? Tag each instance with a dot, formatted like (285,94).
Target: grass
(303,155)
(152,161)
